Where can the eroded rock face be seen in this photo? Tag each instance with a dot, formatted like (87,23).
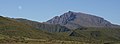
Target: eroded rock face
(75,20)
(63,19)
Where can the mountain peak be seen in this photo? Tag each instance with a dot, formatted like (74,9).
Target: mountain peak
(70,11)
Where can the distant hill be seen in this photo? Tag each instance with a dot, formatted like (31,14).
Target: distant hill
(74,20)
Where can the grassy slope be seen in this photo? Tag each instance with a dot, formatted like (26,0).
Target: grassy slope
(98,34)
(13,29)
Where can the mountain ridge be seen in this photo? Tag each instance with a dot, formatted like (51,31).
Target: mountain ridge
(43,26)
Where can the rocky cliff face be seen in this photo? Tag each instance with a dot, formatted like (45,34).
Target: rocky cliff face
(75,20)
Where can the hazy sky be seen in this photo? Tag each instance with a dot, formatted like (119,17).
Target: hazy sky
(42,10)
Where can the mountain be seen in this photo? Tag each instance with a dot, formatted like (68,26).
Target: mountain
(16,30)
(74,20)
(43,26)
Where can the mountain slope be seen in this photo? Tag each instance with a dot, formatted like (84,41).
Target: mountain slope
(98,33)
(74,20)
(43,26)
(13,29)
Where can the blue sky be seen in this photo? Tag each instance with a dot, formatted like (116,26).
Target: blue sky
(43,10)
